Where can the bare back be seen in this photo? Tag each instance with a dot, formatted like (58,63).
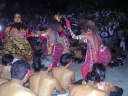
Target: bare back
(14,89)
(64,76)
(43,84)
(85,90)
(34,82)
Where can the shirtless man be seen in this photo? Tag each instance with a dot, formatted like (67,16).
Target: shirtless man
(95,85)
(64,74)
(6,66)
(20,72)
(42,84)
(87,88)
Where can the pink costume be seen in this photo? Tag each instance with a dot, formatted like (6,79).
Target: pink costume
(55,50)
(96,52)
(56,54)
(63,40)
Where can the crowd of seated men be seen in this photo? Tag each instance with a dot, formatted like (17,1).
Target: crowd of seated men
(59,81)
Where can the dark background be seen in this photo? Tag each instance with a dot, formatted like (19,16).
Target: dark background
(61,5)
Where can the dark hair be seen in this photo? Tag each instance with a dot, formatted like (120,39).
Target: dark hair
(7,58)
(97,74)
(86,25)
(53,24)
(92,76)
(65,59)
(19,25)
(19,69)
(82,50)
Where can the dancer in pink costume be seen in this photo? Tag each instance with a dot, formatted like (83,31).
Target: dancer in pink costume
(54,46)
(96,51)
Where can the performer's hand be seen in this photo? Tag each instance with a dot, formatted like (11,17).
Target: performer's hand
(68,25)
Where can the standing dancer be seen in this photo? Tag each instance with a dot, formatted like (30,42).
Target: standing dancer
(15,42)
(61,32)
(96,51)
(54,47)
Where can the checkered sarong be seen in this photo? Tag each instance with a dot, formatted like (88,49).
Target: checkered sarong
(103,55)
(57,52)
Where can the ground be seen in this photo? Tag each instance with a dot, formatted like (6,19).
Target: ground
(117,75)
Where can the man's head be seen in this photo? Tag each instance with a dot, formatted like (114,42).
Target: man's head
(7,59)
(66,60)
(54,25)
(53,28)
(17,18)
(20,70)
(97,74)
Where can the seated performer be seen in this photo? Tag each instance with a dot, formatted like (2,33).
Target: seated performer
(7,61)
(20,72)
(54,47)
(62,35)
(86,90)
(42,84)
(64,74)
(97,76)
(95,84)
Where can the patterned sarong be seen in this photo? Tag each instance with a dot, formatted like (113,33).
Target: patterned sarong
(57,52)
(103,55)
(18,47)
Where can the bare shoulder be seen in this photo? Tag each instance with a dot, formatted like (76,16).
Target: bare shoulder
(25,93)
(38,76)
(68,71)
(54,81)
(46,77)
(22,91)
(55,69)
(34,75)
(99,92)
(15,90)
(71,72)
(75,87)
(62,71)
